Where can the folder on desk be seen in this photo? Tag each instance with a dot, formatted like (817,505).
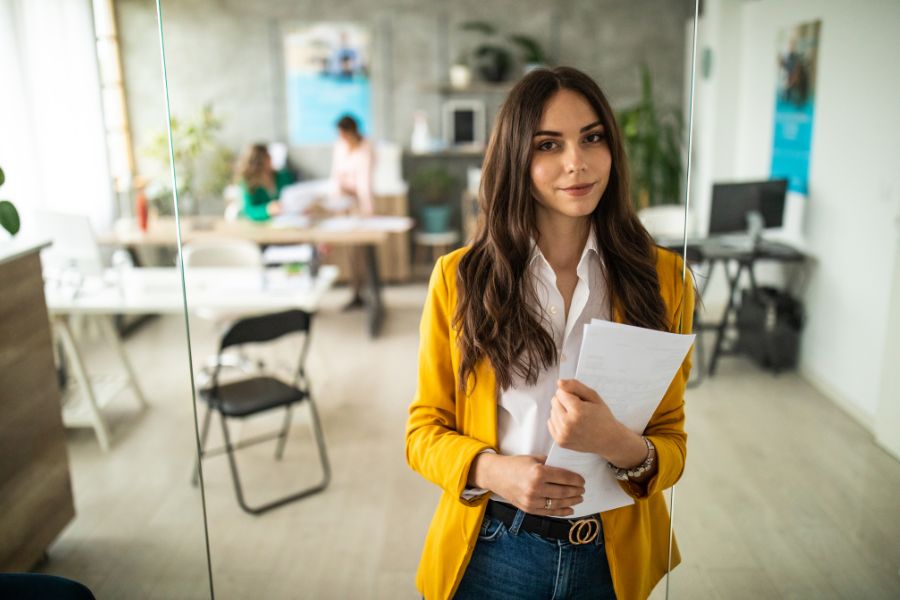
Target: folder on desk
(630,368)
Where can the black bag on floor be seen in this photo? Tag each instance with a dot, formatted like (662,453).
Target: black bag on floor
(769,323)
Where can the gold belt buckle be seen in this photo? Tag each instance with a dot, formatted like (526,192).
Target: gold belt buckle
(584,531)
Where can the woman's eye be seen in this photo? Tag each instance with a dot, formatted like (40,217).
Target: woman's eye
(593,138)
(547,145)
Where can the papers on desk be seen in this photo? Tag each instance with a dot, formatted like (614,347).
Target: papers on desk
(388,223)
(631,368)
(294,253)
(291,221)
(374,223)
(298,198)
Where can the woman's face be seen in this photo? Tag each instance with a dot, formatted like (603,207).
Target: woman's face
(571,161)
(347,137)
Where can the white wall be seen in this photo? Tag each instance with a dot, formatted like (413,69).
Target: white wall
(847,222)
(887,419)
(52,144)
(228,52)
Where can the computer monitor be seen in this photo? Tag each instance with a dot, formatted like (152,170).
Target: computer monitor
(732,202)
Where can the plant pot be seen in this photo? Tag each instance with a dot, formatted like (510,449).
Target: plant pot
(493,63)
(435,218)
(460,77)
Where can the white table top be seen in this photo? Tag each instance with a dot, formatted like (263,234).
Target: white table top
(287,230)
(15,248)
(159,290)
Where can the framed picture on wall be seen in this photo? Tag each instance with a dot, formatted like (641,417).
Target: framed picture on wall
(464,124)
(327,66)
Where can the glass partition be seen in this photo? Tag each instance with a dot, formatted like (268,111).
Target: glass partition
(98,429)
(792,471)
(316,500)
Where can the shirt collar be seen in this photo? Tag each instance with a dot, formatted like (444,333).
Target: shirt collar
(590,246)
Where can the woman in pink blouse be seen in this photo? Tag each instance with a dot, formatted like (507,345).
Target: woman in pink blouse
(351,177)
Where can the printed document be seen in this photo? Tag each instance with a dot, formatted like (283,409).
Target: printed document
(630,368)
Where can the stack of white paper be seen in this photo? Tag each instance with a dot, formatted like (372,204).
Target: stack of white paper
(631,369)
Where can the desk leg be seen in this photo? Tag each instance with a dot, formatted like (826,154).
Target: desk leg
(80,373)
(113,339)
(375,304)
(723,324)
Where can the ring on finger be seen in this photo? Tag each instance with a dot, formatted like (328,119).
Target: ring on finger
(548,503)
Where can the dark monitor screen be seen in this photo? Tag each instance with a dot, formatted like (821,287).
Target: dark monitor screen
(732,201)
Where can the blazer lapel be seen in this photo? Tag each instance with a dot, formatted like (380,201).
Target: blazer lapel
(481,409)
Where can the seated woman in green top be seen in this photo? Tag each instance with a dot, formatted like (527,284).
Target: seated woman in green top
(261,185)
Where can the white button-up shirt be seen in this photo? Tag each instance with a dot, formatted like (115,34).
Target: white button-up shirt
(523,410)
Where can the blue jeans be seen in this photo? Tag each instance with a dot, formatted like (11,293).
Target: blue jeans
(511,564)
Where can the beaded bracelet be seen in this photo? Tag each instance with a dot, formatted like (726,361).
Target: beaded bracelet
(636,472)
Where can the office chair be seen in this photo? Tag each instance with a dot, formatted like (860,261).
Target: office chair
(257,394)
(222,252)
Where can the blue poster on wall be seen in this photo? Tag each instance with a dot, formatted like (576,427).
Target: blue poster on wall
(327,71)
(795,105)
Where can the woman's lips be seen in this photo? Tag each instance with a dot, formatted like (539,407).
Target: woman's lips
(579,190)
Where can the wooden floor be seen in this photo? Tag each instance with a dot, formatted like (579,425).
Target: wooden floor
(784,496)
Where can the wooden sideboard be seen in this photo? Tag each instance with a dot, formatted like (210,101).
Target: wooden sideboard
(394,264)
(35,486)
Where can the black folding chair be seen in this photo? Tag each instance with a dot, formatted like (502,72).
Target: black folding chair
(254,395)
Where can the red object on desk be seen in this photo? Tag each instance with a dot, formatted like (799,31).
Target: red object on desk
(140,209)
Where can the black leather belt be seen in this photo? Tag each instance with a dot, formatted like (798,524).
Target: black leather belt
(583,530)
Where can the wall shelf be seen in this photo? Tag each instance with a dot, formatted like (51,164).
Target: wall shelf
(477,87)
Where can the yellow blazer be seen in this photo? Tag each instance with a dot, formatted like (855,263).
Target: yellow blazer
(446,430)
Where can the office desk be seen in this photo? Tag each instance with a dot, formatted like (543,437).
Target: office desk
(158,290)
(35,484)
(713,251)
(350,231)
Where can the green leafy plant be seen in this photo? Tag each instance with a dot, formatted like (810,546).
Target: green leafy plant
(433,184)
(652,136)
(9,216)
(492,58)
(202,164)
(532,51)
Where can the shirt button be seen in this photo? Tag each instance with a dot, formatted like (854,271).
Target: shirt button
(552,310)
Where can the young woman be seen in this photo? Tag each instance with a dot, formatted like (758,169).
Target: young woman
(558,245)
(261,185)
(351,176)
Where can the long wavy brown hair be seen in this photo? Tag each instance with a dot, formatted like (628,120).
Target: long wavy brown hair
(494,315)
(253,167)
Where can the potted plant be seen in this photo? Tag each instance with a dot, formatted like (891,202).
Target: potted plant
(490,58)
(9,216)
(533,55)
(433,185)
(652,137)
(202,164)
(493,59)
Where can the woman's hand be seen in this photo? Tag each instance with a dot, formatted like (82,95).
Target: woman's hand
(527,483)
(274,208)
(580,420)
